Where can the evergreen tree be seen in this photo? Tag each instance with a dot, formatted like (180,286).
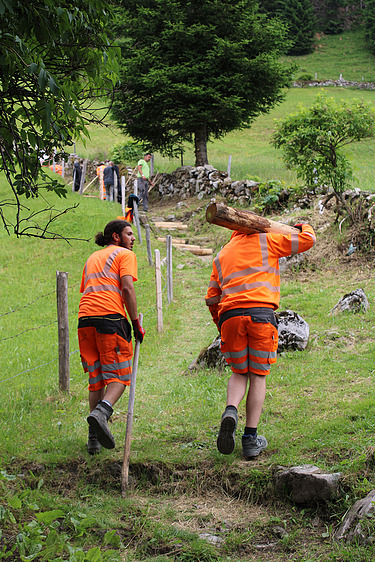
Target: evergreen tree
(195,70)
(369,18)
(300,18)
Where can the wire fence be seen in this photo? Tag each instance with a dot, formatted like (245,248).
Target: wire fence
(36,302)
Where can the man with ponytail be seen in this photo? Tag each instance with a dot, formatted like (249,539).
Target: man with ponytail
(104,332)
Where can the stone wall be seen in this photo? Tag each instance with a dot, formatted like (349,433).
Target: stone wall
(203,182)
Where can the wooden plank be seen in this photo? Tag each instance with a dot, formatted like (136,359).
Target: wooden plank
(171,225)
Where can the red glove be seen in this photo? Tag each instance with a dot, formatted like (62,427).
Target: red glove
(299,226)
(139,332)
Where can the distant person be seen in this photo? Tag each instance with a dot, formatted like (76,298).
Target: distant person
(104,333)
(143,177)
(109,174)
(99,173)
(57,170)
(129,209)
(77,174)
(243,292)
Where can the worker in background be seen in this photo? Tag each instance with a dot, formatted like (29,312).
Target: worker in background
(99,173)
(129,209)
(243,293)
(143,179)
(104,332)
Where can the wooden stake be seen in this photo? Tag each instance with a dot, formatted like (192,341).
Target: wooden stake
(159,301)
(169,270)
(244,221)
(129,419)
(63,330)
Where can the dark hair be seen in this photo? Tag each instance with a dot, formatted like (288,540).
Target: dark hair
(148,154)
(112,227)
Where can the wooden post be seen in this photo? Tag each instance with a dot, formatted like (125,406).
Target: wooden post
(129,419)
(148,243)
(63,330)
(229,165)
(83,177)
(115,186)
(63,169)
(136,221)
(74,179)
(244,221)
(159,300)
(169,269)
(123,202)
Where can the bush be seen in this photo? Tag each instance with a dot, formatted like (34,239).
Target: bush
(128,152)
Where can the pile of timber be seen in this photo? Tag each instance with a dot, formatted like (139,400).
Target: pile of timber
(194,249)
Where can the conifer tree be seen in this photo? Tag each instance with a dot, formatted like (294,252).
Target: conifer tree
(195,70)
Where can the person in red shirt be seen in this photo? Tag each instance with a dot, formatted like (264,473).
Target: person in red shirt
(243,293)
(104,332)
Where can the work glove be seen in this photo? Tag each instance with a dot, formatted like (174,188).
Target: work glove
(139,332)
(299,226)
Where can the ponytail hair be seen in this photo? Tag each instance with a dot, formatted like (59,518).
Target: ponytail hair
(106,238)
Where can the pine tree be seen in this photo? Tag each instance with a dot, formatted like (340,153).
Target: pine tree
(195,70)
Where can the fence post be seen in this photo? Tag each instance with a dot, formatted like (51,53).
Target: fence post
(63,168)
(136,220)
(83,177)
(229,165)
(159,300)
(63,330)
(148,243)
(123,202)
(169,269)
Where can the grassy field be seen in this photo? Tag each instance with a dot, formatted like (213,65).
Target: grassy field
(60,504)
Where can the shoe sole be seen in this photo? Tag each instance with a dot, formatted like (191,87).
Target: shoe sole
(103,435)
(225,439)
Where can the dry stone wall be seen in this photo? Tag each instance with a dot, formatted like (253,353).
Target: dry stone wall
(203,182)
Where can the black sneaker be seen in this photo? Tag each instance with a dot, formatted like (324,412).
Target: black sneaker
(98,421)
(253,445)
(226,437)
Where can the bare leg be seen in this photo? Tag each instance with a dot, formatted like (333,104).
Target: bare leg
(255,399)
(236,389)
(112,392)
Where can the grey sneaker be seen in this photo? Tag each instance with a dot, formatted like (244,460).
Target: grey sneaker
(226,437)
(93,445)
(252,446)
(98,421)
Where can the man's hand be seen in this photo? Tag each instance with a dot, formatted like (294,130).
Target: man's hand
(139,332)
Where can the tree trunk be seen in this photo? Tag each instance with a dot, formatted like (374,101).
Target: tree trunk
(244,221)
(200,140)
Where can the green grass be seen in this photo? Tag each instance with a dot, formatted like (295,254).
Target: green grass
(318,408)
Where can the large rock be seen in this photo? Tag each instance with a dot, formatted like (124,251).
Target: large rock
(306,483)
(352,528)
(356,301)
(293,331)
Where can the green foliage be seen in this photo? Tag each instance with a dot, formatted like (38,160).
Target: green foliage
(41,537)
(305,77)
(127,152)
(55,60)
(300,18)
(196,70)
(312,139)
(369,21)
(274,195)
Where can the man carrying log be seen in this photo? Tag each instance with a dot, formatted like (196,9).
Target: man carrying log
(243,293)
(104,333)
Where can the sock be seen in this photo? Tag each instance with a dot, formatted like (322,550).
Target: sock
(250,431)
(107,405)
(233,408)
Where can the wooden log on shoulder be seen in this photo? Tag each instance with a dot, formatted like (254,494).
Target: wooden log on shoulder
(244,221)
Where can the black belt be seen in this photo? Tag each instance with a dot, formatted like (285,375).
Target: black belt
(258,314)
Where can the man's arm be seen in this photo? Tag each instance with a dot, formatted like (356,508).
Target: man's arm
(140,171)
(128,294)
(130,300)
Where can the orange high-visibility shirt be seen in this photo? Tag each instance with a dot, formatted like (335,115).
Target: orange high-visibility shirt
(245,273)
(101,281)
